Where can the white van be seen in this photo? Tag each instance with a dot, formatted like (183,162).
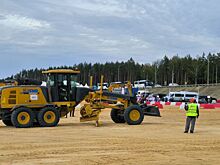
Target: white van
(182,96)
(143,84)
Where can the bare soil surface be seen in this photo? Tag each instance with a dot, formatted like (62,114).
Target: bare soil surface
(155,141)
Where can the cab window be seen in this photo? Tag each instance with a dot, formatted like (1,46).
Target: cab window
(62,80)
(179,95)
(51,80)
(190,95)
(73,81)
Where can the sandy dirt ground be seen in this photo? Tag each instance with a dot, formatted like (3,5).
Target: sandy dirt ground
(155,141)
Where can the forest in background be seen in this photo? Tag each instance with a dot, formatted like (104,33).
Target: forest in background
(182,70)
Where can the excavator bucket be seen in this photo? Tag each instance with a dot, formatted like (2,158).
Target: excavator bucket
(150,110)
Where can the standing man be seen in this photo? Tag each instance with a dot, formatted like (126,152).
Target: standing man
(192,112)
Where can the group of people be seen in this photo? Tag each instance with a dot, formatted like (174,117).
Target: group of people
(141,98)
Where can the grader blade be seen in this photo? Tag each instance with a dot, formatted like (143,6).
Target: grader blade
(89,114)
(84,119)
(151,110)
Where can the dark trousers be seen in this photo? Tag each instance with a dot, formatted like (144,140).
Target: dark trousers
(190,120)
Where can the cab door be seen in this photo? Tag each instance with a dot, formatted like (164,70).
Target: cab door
(63,87)
(58,87)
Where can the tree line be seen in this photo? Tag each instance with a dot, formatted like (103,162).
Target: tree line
(182,70)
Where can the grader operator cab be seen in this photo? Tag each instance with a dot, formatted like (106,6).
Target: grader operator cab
(23,106)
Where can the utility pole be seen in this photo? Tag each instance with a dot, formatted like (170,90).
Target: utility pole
(216,74)
(147,77)
(118,73)
(196,77)
(208,73)
(172,75)
(155,78)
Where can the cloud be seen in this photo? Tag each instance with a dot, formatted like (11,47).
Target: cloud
(17,21)
(48,33)
(22,30)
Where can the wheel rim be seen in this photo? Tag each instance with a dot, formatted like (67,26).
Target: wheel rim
(134,115)
(49,117)
(23,118)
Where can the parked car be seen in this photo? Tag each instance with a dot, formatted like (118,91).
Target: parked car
(182,96)
(161,96)
(173,84)
(117,82)
(157,85)
(143,84)
(206,99)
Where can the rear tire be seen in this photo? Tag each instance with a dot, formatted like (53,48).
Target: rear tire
(134,115)
(7,122)
(116,117)
(22,117)
(48,117)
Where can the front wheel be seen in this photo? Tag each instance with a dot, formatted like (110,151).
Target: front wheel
(117,116)
(48,117)
(134,115)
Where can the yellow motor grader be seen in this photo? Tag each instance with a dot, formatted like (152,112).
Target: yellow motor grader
(8,83)
(23,106)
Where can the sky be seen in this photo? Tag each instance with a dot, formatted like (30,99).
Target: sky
(43,33)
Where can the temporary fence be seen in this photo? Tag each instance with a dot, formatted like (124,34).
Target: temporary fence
(160,104)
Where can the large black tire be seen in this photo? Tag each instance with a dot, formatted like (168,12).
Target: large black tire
(134,115)
(48,117)
(7,122)
(116,117)
(22,117)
